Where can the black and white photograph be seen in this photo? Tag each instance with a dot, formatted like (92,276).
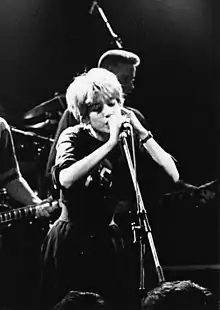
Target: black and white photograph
(109,155)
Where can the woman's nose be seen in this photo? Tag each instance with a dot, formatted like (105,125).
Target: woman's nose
(107,111)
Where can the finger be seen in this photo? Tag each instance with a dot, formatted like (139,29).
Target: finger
(124,111)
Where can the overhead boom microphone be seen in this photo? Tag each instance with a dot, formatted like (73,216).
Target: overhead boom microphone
(94,3)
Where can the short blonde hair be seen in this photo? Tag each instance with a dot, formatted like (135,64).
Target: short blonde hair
(88,89)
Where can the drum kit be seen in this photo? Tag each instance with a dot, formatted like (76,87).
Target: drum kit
(33,143)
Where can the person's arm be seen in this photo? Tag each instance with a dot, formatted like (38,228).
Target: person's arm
(21,191)
(158,154)
(10,175)
(80,168)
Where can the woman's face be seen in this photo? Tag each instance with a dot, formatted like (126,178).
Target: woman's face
(99,116)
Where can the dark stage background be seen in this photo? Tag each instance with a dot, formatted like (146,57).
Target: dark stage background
(44,43)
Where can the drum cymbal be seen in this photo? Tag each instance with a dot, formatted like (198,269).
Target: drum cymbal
(47,123)
(31,135)
(54,104)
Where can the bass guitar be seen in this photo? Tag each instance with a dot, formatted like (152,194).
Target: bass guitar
(28,211)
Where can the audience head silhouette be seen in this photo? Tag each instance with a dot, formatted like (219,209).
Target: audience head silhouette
(76,300)
(177,295)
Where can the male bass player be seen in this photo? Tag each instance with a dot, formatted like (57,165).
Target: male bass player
(13,241)
(10,175)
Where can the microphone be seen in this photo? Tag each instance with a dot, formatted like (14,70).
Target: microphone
(94,3)
(125,130)
(126,125)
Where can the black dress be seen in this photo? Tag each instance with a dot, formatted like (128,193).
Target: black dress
(84,248)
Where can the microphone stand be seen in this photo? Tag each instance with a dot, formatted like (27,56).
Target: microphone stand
(143,228)
(115,37)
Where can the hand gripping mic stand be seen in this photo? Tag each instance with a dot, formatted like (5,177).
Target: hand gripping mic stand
(143,228)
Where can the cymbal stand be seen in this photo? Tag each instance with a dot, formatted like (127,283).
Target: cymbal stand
(115,37)
(143,228)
